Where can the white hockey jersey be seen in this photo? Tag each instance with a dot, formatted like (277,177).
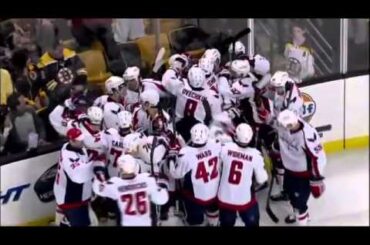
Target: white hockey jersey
(145,150)
(202,105)
(238,167)
(59,119)
(110,114)
(113,146)
(141,120)
(92,140)
(291,100)
(73,182)
(133,197)
(200,168)
(301,151)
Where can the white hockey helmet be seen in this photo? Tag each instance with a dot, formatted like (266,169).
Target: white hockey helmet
(131,73)
(196,77)
(150,96)
(243,133)
(261,65)
(127,164)
(131,142)
(124,119)
(113,84)
(178,62)
(287,118)
(279,79)
(240,68)
(214,55)
(95,115)
(206,64)
(239,48)
(199,134)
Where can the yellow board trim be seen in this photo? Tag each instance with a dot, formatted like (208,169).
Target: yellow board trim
(40,222)
(330,147)
(352,143)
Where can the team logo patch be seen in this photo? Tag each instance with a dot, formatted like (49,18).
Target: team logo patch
(309,107)
(65,75)
(33,75)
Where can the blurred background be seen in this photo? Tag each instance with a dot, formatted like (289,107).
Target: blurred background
(330,47)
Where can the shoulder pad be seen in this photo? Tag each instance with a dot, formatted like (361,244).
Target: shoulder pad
(68,53)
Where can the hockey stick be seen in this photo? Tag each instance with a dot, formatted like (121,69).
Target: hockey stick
(154,208)
(271,214)
(159,60)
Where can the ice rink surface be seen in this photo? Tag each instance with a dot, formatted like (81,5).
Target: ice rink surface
(345,202)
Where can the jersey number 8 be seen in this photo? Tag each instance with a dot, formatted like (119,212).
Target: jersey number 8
(190,107)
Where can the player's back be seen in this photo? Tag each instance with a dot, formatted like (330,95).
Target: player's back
(202,180)
(238,166)
(199,104)
(133,196)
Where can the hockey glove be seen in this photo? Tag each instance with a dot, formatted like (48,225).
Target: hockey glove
(317,187)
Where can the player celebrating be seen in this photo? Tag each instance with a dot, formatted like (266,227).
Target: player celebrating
(112,103)
(239,164)
(72,186)
(199,165)
(133,193)
(304,161)
(148,112)
(194,104)
(178,64)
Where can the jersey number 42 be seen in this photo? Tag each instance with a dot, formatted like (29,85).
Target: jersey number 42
(201,172)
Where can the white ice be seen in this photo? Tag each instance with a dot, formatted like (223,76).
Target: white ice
(344,203)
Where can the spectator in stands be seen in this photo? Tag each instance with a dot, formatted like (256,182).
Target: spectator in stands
(25,125)
(6,86)
(299,55)
(125,30)
(56,69)
(86,31)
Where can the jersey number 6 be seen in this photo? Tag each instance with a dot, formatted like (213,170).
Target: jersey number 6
(235,172)
(202,173)
(139,199)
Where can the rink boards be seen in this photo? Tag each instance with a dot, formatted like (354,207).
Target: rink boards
(339,109)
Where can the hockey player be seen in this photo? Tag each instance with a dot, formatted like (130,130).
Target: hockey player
(199,166)
(148,111)
(211,79)
(112,140)
(237,51)
(133,193)
(304,160)
(112,103)
(178,64)
(73,186)
(70,110)
(215,56)
(91,125)
(286,94)
(239,164)
(194,104)
(137,85)
(222,128)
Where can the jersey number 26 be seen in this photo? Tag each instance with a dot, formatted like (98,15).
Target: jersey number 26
(136,203)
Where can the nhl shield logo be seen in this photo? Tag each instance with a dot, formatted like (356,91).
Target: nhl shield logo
(309,107)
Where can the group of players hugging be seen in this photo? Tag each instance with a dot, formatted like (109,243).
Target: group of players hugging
(202,160)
